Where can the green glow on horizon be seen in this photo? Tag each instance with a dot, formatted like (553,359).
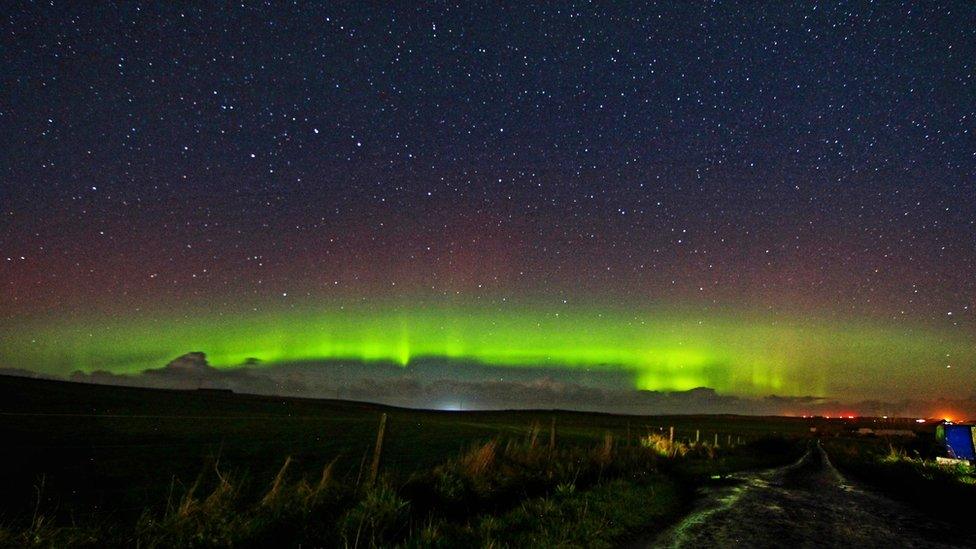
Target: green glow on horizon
(737,354)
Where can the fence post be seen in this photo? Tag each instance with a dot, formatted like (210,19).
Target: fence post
(671,435)
(716,440)
(697,433)
(378,450)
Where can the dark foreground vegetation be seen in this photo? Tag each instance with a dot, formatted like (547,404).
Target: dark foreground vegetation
(108,466)
(907,469)
(96,466)
(519,494)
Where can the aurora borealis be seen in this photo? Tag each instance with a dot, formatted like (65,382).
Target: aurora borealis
(761,200)
(733,353)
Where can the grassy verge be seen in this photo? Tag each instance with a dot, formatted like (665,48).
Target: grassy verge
(603,516)
(903,472)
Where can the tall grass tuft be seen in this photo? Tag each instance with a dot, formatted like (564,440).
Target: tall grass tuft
(664,446)
(311,494)
(379,517)
(534,431)
(479,459)
(605,453)
(274,493)
(895,454)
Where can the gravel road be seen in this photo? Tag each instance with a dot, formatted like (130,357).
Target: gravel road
(807,504)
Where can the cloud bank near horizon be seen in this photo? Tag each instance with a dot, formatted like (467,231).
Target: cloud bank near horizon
(447,385)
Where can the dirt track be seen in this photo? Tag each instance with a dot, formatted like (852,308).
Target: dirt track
(807,504)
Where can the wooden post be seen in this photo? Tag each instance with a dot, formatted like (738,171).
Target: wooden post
(716,440)
(697,433)
(730,441)
(377,450)
(671,435)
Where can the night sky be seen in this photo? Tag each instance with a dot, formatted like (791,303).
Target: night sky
(760,198)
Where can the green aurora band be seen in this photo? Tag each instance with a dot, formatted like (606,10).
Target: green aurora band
(743,354)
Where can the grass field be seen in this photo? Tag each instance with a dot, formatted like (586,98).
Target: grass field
(201,465)
(122,447)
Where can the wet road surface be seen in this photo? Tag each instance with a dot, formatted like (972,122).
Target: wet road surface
(807,504)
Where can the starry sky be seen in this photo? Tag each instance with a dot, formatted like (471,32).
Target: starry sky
(760,198)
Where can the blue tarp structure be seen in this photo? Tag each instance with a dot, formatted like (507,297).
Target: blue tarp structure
(958,440)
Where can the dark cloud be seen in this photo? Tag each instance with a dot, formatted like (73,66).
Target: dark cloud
(437,384)
(20,372)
